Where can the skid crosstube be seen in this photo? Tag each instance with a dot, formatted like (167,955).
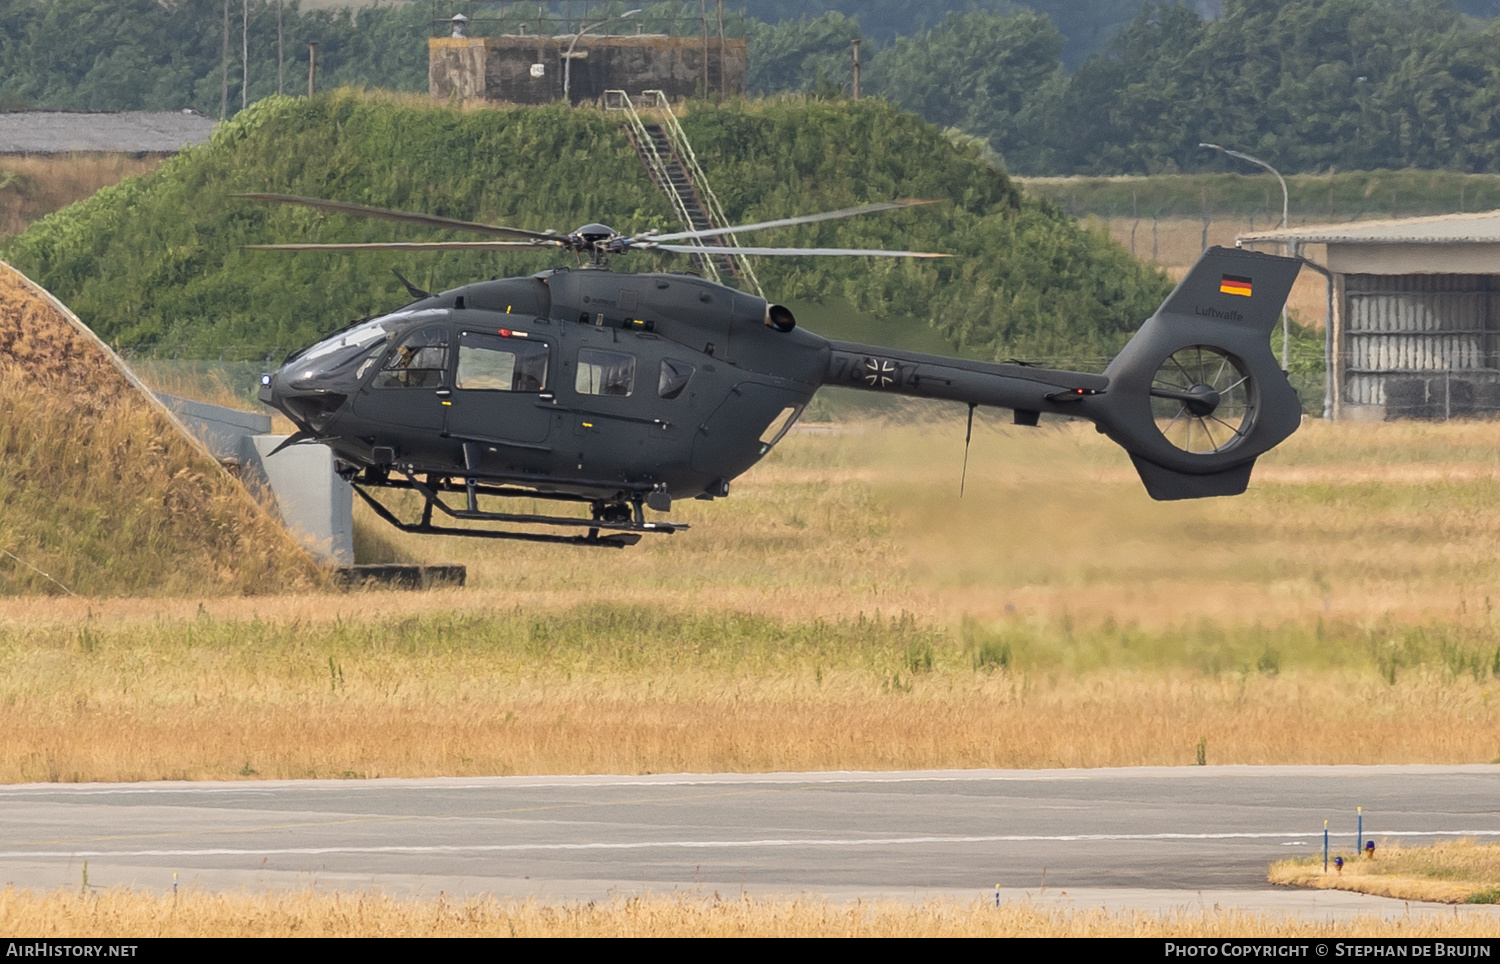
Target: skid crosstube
(605,533)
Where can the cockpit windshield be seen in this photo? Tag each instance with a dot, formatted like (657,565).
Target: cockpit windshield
(355,339)
(335,355)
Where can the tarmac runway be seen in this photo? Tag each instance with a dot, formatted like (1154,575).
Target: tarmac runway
(1149,838)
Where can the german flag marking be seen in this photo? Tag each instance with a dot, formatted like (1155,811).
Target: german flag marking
(1235,285)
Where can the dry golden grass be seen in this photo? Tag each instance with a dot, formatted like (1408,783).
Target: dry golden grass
(618,690)
(34,186)
(128,914)
(1358,523)
(1272,625)
(99,494)
(1454,872)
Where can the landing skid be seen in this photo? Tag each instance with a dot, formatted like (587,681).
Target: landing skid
(615,523)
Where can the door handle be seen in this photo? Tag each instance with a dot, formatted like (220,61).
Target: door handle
(443,392)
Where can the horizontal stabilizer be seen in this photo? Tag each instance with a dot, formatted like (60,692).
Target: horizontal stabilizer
(1165,485)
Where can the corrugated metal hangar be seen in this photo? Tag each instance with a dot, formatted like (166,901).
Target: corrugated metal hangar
(122,132)
(1414,306)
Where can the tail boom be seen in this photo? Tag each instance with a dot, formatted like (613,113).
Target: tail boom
(1201,364)
(1023,388)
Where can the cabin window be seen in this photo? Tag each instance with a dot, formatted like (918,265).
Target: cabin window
(419,361)
(604,372)
(779,426)
(674,378)
(496,363)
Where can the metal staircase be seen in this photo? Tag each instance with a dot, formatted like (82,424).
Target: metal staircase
(669,159)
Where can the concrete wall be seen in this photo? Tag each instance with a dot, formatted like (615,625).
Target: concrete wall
(456,68)
(222,429)
(314,503)
(127,132)
(529,70)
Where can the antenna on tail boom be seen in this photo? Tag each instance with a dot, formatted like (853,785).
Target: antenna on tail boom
(968,434)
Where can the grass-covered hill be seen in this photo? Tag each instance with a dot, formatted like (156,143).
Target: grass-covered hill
(156,263)
(99,494)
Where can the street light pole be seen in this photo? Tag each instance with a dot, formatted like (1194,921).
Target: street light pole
(1285,327)
(568,55)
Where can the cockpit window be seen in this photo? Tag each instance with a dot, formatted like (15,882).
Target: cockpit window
(355,338)
(604,372)
(332,358)
(497,363)
(420,361)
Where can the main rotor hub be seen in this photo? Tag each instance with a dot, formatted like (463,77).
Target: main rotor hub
(592,234)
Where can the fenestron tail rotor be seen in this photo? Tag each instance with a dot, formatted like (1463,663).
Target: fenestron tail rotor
(1203,400)
(599,241)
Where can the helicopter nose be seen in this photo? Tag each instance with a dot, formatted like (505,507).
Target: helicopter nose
(311,409)
(276,391)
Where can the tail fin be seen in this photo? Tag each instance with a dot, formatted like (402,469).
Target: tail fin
(1197,395)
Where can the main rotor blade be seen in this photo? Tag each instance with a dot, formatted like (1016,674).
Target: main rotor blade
(786,222)
(790,252)
(409,217)
(401,246)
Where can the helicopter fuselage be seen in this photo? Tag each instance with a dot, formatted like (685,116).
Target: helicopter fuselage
(586,382)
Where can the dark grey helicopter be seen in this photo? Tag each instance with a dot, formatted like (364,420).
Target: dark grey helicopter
(624,392)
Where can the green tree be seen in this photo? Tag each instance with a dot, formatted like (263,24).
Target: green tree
(997,77)
(1306,84)
(808,55)
(167,55)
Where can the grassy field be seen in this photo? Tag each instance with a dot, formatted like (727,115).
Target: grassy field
(844,608)
(1343,523)
(35,186)
(1250,193)
(318,914)
(1456,872)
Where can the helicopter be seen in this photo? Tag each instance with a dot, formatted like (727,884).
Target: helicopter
(624,392)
